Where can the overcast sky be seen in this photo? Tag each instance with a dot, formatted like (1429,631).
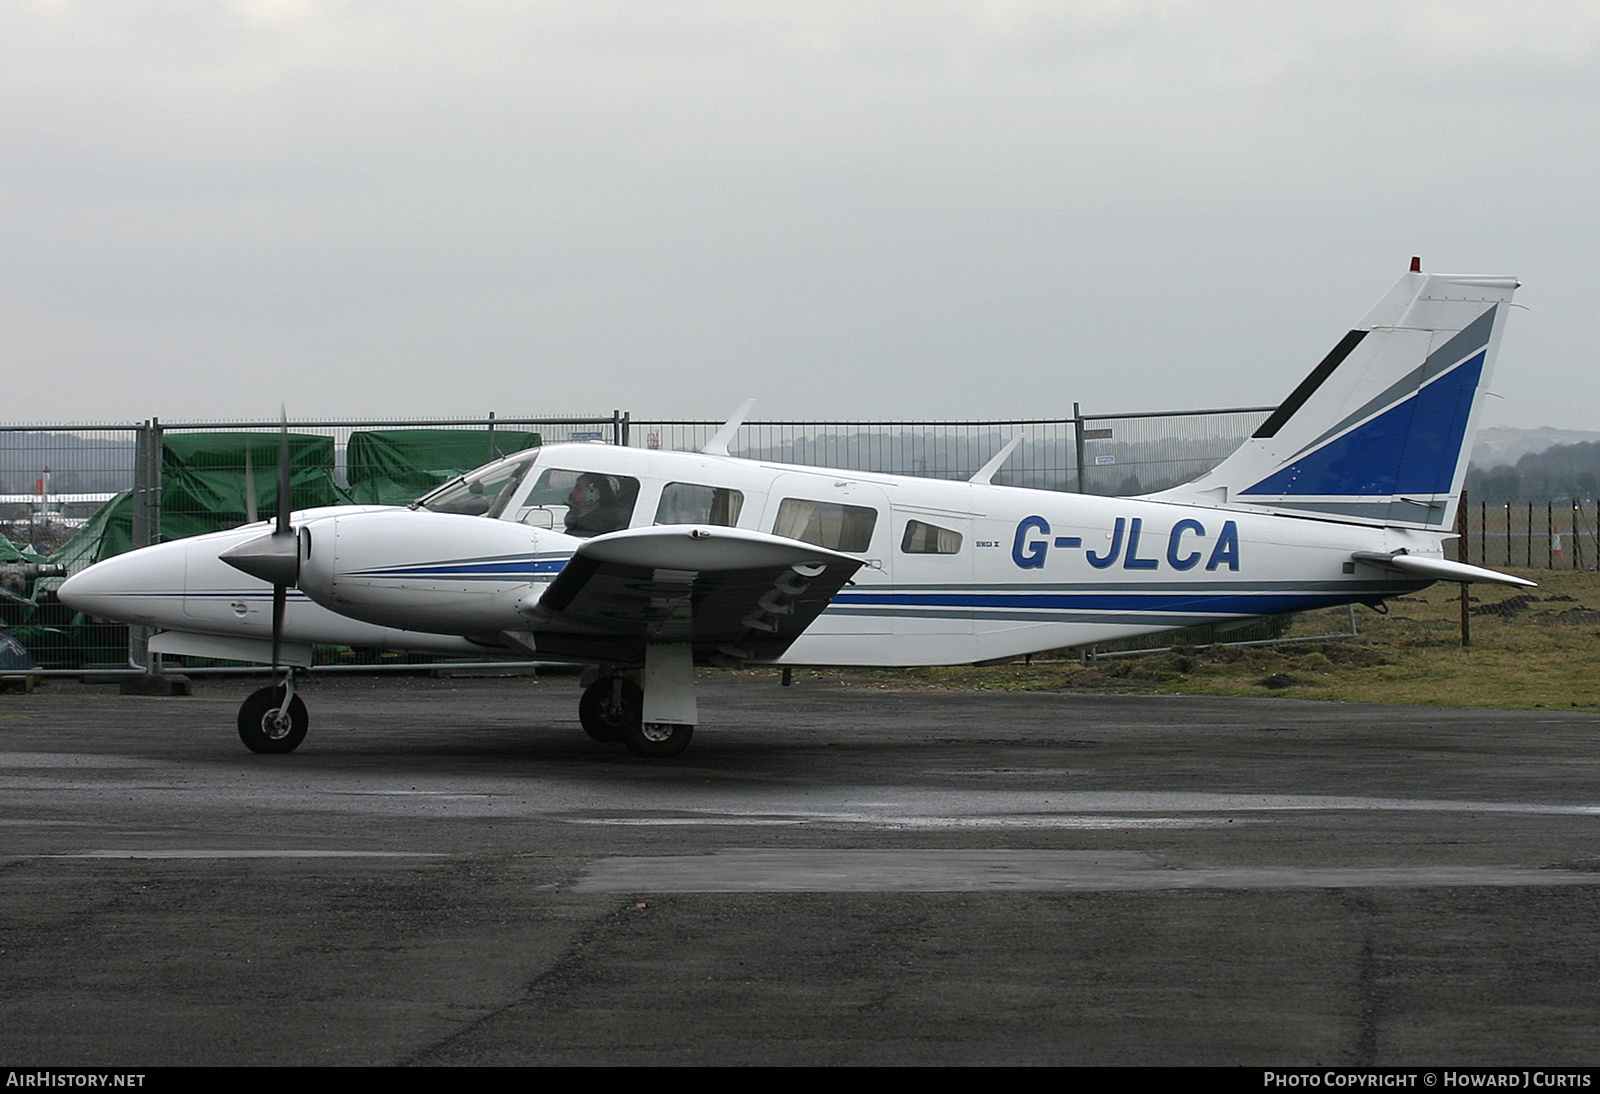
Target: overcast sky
(854,209)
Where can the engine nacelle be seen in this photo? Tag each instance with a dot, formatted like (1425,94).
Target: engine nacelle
(445,573)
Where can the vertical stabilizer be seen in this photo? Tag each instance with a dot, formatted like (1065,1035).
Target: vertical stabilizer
(1381,429)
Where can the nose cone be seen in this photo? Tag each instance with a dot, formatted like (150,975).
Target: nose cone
(81,592)
(144,586)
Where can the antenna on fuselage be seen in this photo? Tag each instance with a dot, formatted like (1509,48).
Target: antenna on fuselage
(986,472)
(718,444)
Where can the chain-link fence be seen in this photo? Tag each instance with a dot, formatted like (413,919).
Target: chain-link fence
(54,481)
(1088,453)
(930,449)
(1546,534)
(1127,454)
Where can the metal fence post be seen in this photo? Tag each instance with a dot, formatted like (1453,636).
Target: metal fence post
(1577,544)
(1077,435)
(146,521)
(1462,549)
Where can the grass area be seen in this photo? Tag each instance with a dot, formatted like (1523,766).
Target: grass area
(1530,648)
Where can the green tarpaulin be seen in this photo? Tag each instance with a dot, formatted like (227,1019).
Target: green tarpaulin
(204,475)
(397,466)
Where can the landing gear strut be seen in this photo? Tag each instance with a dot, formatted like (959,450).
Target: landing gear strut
(273,719)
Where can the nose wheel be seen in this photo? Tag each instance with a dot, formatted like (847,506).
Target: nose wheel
(273,720)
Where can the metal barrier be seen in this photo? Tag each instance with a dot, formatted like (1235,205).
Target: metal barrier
(1127,454)
(1542,534)
(1087,453)
(53,478)
(930,449)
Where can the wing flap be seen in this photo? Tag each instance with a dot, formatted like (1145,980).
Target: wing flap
(731,593)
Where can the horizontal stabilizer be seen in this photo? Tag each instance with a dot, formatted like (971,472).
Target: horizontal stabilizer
(1440,569)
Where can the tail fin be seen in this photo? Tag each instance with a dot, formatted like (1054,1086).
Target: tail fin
(1380,431)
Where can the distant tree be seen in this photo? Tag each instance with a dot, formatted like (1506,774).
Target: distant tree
(1560,471)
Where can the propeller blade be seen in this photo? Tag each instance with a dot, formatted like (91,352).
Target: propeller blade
(250,514)
(285,473)
(285,543)
(280,596)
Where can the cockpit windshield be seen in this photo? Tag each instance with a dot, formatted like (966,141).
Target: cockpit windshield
(480,493)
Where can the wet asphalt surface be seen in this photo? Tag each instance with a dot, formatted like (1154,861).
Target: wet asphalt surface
(450,872)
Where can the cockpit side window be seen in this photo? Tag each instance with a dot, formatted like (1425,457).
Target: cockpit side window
(582,503)
(480,493)
(688,503)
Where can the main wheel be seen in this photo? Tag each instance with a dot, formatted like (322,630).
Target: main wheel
(657,740)
(609,706)
(260,727)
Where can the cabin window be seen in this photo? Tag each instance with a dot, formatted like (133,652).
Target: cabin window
(825,523)
(688,503)
(929,539)
(581,503)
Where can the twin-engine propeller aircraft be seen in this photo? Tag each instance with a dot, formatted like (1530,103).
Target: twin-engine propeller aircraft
(645,564)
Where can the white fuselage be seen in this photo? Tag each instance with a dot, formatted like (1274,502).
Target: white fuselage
(955,572)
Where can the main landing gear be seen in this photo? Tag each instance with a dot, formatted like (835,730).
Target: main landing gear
(655,720)
(612,710)
(609,706)
(273,719)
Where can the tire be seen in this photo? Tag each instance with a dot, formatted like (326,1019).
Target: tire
(257,718)
(607,711)
(657,740)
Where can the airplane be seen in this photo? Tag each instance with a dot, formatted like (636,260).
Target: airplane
(642,564)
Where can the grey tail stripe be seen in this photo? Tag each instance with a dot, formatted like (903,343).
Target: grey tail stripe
(1309,385)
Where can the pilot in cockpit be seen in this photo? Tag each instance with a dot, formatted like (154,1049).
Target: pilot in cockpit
(596,505)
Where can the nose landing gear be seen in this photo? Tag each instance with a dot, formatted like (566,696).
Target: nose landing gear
(273,719)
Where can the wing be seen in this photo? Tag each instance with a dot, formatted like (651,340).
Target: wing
(735,595)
